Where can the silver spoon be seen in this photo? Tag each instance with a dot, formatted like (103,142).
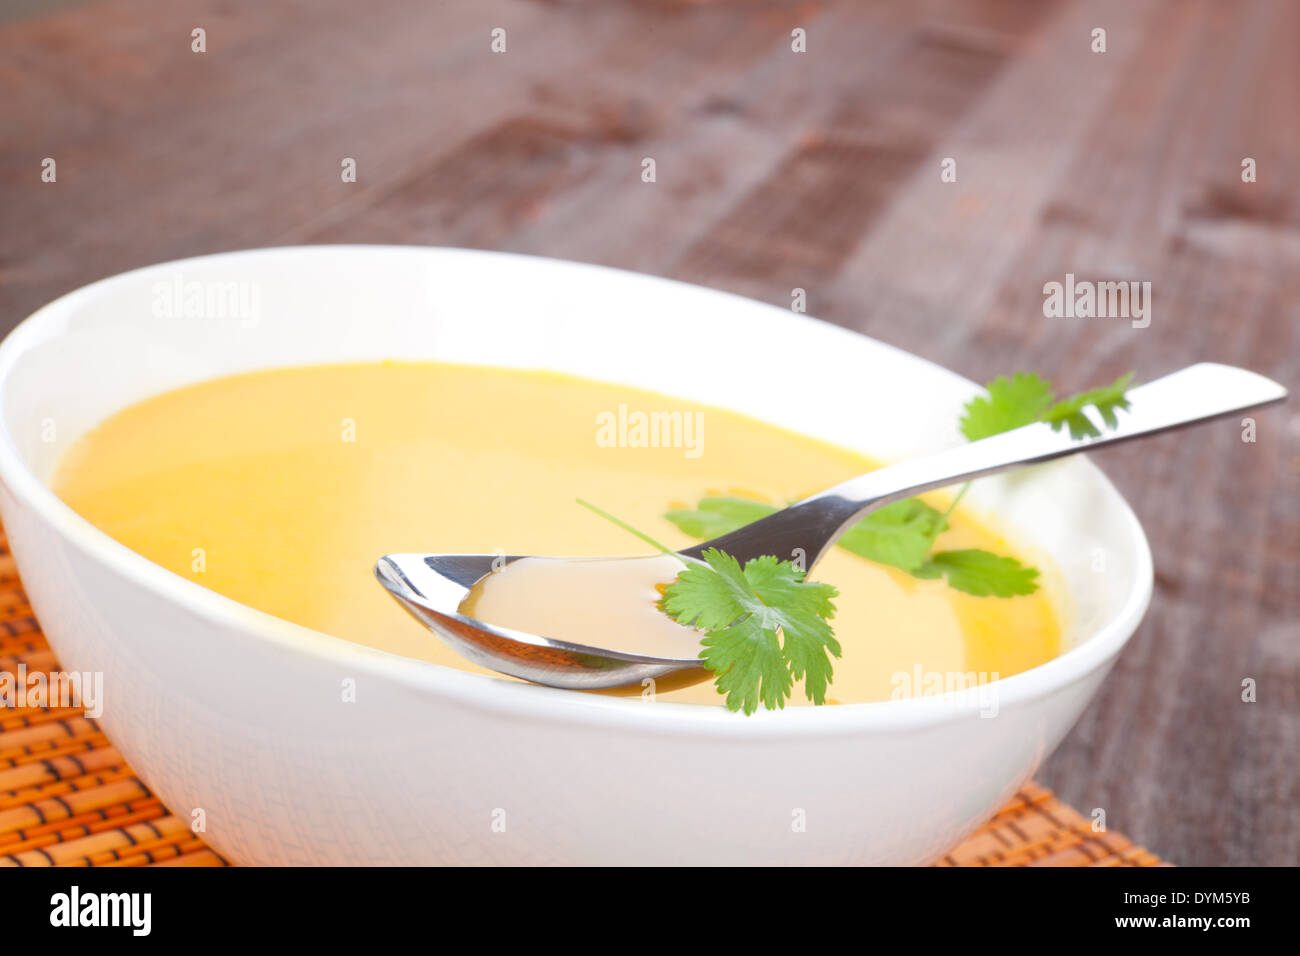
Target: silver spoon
(432,586)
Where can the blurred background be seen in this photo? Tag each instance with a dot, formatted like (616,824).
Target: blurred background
(775,169)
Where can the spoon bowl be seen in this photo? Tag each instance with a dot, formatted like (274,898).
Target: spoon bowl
(432,586)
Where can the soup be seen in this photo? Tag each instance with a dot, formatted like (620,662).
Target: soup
(280,489)
(609,603)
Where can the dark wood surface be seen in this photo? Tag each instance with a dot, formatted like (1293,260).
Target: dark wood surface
(779,170)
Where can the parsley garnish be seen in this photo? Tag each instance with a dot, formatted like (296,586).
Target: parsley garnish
(902,534)
(980,573)
(714,517)
(1026,398)
(899,534)
(1106,400)
(1011,402)
(764,627)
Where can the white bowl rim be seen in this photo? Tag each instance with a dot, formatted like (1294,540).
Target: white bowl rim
(509,696)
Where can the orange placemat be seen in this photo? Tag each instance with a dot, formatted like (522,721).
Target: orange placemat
(68,798)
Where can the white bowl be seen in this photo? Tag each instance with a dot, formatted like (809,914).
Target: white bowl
(226,709)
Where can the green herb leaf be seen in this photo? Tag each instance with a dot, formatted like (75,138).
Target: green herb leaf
(1026,398)
(981,573)
(713,517)
(765,627)
(899,534)
(1010,403)
(1106,400)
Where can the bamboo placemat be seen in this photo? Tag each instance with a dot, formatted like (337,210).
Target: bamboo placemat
(68,798)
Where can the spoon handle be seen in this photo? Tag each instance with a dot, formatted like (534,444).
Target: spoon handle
(809,527)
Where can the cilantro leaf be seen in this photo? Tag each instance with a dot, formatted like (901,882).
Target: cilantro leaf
(718,516)
(803,609)
(1026,398)
(899,534)
(1105,399)
(748,666)
(1010,403)
(765,627)
(980,573)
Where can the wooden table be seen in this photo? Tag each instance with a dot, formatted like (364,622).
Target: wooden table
(778,170)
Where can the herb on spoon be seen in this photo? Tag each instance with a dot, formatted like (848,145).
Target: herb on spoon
(766,627)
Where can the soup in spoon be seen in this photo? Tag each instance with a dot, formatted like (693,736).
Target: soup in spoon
(609,603)
(280,488)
